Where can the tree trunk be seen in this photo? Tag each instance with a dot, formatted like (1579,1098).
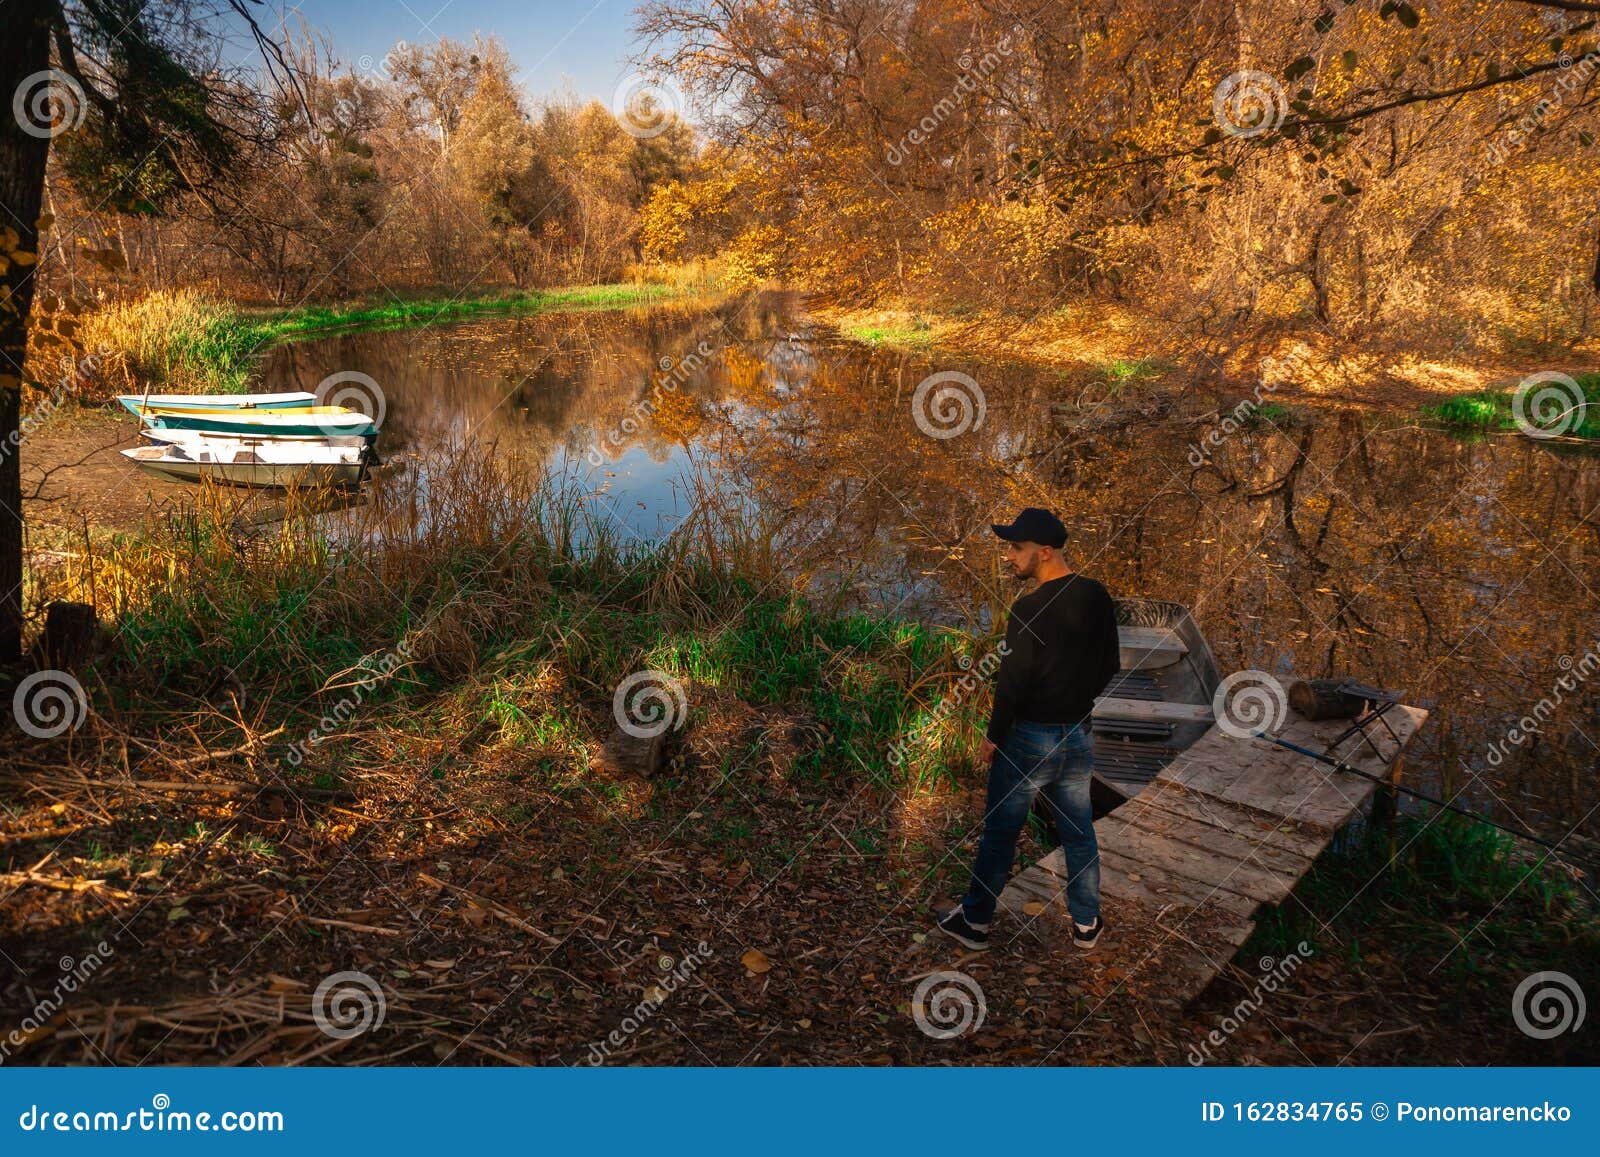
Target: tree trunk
(24,50)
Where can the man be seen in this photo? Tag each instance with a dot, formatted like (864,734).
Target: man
(1061,651)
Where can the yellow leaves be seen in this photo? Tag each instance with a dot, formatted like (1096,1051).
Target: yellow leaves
(754,257)
(677,415)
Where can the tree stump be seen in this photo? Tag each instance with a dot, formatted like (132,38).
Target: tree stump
(1324,699)
(68,638)
(631,755)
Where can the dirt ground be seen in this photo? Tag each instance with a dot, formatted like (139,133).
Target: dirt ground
(72,471)
(446,900)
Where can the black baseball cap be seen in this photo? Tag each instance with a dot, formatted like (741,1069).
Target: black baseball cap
(1034,525)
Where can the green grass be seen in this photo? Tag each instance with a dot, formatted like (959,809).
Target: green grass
(1488,410)
(918,335)
(1274,414)
(1135,371)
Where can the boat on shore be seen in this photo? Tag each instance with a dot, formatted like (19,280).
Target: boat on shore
(295,400)
(1157,705)
(201,437)
(270,463)
(312,421)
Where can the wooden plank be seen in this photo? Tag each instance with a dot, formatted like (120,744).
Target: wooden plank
(1109,707)
(1230,824)
(1147,648)
(1242,846)
(1260,774)
(1164,797)
(1243,874)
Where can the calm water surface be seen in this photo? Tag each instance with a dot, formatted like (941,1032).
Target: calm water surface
(1463,573)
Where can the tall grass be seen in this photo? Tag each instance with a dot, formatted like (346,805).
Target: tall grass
(180,341)
(519,605)
(1453,875)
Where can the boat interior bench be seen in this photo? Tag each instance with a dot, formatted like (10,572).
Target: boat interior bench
(1146,648)
(1152,710)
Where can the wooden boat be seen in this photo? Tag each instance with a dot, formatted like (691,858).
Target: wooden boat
(253,462)
(1159,704)
(316,421)
(297,400)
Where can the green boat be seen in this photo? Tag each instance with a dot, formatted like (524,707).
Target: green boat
(310,421)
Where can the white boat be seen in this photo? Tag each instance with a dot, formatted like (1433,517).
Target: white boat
(205,438)
(294,400)
(256,462)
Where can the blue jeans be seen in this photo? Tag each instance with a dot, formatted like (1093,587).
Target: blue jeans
(1056,760)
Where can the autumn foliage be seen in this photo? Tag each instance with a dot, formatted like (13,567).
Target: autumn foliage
(1421,173)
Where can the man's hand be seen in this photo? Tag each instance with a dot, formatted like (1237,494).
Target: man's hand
(986,752)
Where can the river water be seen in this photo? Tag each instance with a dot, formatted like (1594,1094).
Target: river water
(1461,572)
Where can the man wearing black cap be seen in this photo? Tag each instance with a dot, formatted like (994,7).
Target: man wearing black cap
(1061,650)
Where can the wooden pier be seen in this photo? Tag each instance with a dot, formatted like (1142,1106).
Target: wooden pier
(1231,824)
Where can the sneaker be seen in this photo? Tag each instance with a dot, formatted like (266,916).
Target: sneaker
(1087,935)
(954,924)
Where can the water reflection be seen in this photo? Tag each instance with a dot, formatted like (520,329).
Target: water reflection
(1343,543)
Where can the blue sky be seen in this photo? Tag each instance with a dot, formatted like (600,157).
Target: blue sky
(583,44)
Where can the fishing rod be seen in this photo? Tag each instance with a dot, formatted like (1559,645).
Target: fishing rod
(1523,833)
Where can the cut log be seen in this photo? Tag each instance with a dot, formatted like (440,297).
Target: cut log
(1326,699)
(624,754)
(68,637)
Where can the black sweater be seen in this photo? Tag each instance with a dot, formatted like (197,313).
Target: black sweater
(1061,651)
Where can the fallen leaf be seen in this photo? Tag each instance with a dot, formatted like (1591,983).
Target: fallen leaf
(756,961)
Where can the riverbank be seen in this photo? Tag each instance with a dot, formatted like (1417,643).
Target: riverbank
(299,761)
(185,341)
(1104,344)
